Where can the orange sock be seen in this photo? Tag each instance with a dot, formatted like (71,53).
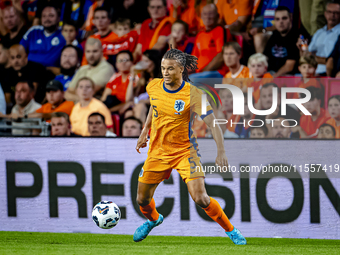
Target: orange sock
(150,211)
(215,212)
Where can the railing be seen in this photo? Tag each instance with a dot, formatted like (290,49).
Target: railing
(6,125)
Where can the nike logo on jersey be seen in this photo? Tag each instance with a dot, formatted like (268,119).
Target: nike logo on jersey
(154,98)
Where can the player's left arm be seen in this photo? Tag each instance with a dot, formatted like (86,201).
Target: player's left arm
(216,131)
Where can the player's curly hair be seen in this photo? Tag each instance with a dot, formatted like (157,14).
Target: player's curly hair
(189,62)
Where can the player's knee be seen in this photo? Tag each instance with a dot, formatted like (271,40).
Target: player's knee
(202,200)
(142,201)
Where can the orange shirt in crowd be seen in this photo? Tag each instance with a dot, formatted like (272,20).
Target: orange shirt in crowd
(257,85)
(149,36)
(89,20)
(207,45)
(79,116)
(239,79)
(243,72)
(310,126)
(189,16)
(112,44)
(65,107)
(311,83)
(118,86)
(332,122)
(232,9)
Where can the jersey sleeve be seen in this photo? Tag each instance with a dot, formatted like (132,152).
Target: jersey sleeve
(196,103)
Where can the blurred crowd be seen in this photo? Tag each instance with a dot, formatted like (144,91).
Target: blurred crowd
(82,66)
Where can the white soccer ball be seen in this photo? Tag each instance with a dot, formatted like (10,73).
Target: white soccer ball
(106,214)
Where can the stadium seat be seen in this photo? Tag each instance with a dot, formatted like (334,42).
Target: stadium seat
(116,123)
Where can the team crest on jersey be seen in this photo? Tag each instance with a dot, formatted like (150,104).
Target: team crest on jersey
(55,41)
(179,105)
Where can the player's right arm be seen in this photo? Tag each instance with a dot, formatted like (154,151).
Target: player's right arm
(143,138)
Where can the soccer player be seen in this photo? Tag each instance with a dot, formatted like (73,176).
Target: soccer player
(173,101)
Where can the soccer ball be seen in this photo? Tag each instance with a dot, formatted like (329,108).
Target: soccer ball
(106,214)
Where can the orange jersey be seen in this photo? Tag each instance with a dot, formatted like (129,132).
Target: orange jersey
(118,86)
(310,126)
(310,83)
(172,111)
(243,72)
(148,35)
(257,85)
(332,122)
(188,15)
(208,45)
(238,79)
(232,9)
(65,107)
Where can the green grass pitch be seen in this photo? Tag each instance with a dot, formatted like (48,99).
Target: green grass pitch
(59,243)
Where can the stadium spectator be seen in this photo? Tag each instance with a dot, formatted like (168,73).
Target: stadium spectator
(134,10)
(258,66)
(61,125)
(69,31)
(235,13)
(132,127)
(312,14)
(101,20)
(127,39)
(281,48)
(115,93)
(258,132)
(324,39)
(149,69)
(45,43)
(113,42)
(98,69)
(69,63)
(226,112)
(309,124)
(307,68)
(97,126)
(266,102)
(158,25)
(23,69)
(41,4)
(178,39)
(109,5)
(238,74)
(333,61)
(25,104)
(87,104)
(208,45)
(55,102)
(280,128)
(75,11)
(185,11)
(326,131)
(334,112)
(242,128)
(122,27)
(14,25)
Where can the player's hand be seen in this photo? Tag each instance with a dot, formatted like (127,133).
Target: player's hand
(221,160)
(142,141)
